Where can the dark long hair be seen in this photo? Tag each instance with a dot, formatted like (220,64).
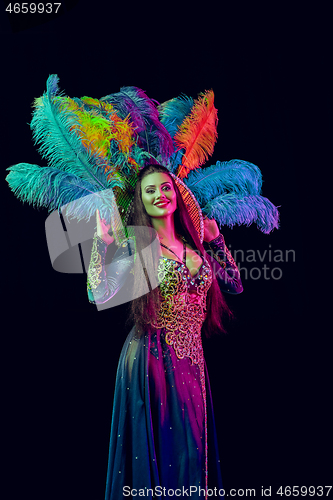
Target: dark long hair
(145,308)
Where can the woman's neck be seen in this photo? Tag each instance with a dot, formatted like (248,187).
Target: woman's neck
(165,228)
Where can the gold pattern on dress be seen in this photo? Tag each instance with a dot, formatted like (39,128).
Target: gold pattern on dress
(182,314)
(229,256)
(95,266)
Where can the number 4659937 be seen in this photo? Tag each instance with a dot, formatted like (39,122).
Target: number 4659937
(32,8)
(304,491)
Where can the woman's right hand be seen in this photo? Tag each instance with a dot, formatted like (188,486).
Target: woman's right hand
(102,229)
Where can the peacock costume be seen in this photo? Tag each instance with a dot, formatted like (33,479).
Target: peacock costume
(163,431)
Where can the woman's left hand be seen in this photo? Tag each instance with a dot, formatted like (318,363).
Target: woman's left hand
(211,230)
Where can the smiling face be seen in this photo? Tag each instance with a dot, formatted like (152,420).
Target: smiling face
(158,195)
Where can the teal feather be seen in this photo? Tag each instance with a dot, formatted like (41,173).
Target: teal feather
(61,146)
(52,188)
(172,114)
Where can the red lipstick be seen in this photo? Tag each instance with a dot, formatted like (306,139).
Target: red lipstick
(161,203)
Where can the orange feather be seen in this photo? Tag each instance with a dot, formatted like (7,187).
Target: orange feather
(197,134)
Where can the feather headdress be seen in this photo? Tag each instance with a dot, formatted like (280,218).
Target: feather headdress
(96,147)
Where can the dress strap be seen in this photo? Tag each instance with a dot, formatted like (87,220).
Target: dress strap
(184,251)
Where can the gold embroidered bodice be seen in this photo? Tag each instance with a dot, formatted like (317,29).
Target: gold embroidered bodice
(183,306)
(183,309)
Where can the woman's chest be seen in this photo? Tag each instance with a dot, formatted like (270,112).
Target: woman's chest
(175,277)
(193,261)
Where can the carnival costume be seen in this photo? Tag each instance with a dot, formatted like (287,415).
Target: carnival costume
(163,432)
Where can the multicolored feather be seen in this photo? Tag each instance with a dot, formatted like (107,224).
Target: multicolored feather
(104,133)
(55,130)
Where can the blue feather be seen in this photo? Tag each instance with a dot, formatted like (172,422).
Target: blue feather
(230,192)
(230,209)
(236,176)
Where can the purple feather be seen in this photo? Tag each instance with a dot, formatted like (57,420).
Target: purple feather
(152,135)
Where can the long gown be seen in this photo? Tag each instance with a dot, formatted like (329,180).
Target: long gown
(163,440)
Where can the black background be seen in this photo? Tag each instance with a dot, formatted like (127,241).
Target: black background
(270,374)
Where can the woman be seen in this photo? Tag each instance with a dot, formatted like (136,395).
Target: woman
(163,432)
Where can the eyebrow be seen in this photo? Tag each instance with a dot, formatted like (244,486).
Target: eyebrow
(153,185)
